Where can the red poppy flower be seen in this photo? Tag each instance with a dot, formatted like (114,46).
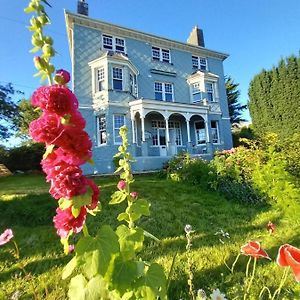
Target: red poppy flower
(253,249)
(289,256)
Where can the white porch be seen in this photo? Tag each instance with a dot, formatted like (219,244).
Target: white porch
(163,129)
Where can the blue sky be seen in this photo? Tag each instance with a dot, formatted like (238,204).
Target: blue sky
(255,33)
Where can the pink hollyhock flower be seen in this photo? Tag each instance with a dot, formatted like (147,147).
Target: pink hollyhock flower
(96,193)
(134,195)
(253,249)
(65,222)
(56,99)
(76,120)
(62,76)
(270,227)
(46,129)
(289,256)
(77,142)
(67,181)
(6,236)
(121,185)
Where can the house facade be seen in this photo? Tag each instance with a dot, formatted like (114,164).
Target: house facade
(170,95)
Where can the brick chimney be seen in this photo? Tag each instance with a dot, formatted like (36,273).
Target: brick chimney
(82,7)
(196,37)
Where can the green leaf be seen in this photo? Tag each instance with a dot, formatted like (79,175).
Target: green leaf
(124,274)
(34,49)
(95,254)
(64,203)
(82,200)
(153,284)
(138,209)
(75,212)
(77,288)
(69,268)
(123,217)
(49,150)
(117,197)
(131,241)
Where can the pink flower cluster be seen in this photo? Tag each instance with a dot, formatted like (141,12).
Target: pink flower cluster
(61,126)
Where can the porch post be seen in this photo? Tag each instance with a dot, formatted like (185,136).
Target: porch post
(133,130)
(167,131)
(208,143)
(143,128)
(189,143)
(144,143)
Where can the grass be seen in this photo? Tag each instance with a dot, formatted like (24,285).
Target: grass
(27,208)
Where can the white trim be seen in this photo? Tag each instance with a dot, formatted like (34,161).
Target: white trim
(114,129)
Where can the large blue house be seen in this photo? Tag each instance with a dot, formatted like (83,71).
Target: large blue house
(171,95)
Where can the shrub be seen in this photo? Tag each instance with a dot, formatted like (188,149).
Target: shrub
(25,158)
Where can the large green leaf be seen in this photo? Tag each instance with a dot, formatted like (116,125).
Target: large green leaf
(77,287)
(95,254)
(124,274)
(131,241)
(117,197)
(138,209)
(69,268)
(153,284)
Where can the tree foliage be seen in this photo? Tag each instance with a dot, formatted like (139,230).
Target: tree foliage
(274,98)
(235,107)
(27,113)
(8,111)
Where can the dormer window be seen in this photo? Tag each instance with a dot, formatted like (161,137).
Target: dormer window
(112,43)
(161,54)
(199,62)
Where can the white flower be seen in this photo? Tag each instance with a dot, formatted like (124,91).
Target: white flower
(217,295)
(201,295)
(188,228)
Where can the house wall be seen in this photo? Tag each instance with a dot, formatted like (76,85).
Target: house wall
(87,47)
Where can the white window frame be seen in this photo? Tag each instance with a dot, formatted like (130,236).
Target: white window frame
(133,84)
(101,130)
(164,90)
(199,62)
(115,43)
(99,79)
(210,91)
(216,130)
(118,128)
(196,89)
(161,54)
(117,78)
(196,133)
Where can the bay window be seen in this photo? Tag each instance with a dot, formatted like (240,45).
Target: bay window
(117,79)
(119,121)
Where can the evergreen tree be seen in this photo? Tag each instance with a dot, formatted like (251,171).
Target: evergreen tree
(235,107)
(274,99)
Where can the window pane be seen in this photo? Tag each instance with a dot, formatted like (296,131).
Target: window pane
(101,129)
(168,88)
(199,125)
(169,97)
(195,61)
(119,121)
(203,63)
(166,55)
(162,137)
(158,86)
(158,96)
(117,84)
(117,73)
(155,53)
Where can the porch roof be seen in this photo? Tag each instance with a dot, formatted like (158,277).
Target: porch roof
(145,106)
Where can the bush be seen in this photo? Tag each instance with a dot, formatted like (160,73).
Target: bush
(25,158)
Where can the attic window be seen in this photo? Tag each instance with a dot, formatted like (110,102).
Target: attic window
(112,43)
(199,62)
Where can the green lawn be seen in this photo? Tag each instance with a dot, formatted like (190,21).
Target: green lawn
(27,208)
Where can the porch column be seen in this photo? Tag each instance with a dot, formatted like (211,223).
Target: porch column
(208,143)
(167,131)
(143,128)
(188,130)
(133,130)
(144,143)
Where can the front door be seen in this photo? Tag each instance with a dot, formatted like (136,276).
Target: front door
(162,142)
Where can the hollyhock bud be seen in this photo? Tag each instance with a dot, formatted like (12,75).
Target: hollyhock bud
(71,249)
(62,77)
(253,249)
(121,185)
(6,236)
(64,221)
(270,227)
(289,256)
(134,195)
(56,99)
